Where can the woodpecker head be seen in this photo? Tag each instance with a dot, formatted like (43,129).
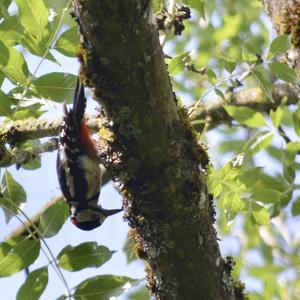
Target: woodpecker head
(91,218)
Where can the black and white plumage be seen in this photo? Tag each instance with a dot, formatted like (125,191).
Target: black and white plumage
(78,169)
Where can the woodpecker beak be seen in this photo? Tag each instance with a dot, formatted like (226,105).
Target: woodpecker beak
(110,212)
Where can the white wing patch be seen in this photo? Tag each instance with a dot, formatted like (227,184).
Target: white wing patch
(92,173)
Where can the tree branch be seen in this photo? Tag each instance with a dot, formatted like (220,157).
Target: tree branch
(23,130)
(20,156)
(212,113)
(14,133)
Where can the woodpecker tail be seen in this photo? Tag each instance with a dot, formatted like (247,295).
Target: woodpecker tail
(79,103)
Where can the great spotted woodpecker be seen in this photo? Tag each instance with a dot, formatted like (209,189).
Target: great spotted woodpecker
(78,169)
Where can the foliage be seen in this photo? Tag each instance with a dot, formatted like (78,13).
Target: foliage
(224,47)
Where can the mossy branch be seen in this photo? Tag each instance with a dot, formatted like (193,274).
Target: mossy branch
(23,130)
(213,114)
(13,134)
(21,156)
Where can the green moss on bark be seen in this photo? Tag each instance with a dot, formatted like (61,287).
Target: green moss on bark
(152,152)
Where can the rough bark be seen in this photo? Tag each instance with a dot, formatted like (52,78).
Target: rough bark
(152,151)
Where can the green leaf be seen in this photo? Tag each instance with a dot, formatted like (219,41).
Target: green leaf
(33,16)
(289,155)
(36,37)
(34,285)
(141,294)
(23,114)
(12,195)
(246,116)
(20,255)
(12,189)
(177,63)
(2,77)
(223,178)
(250,176)
(279,45)
(286,196)
(37,47)
(157,5)
(258,142)
(128,248)
(274,152)
(53,218)
(229,64)
(6,246)
(248,53)
(219,93)
(260,214)
(296,120)
(232,145)
(4,4)
(215,183)
(276,116)
(296,207)
(267,181)
(264,84)
(283,71)
(58,87)
(291,150)
(232,203)
(11,30)
(5,104)
(13,64)
(287,118)
(211,75)
(253,48)
(201,9)
(85,255)
(67,42)
(265,194)
(34,163)
(199,5)
(231,26)
(102,287)
(275,210)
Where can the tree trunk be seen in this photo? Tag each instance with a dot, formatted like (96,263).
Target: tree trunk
(152,151)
